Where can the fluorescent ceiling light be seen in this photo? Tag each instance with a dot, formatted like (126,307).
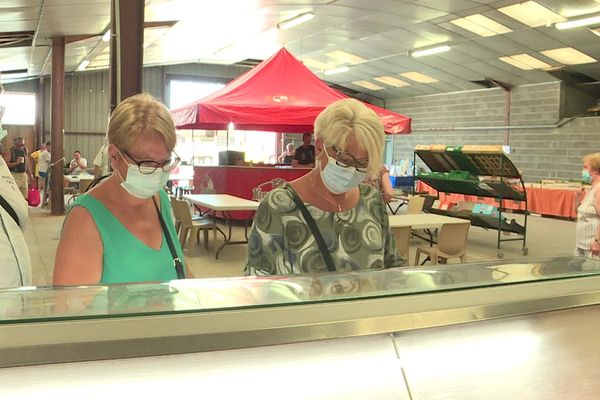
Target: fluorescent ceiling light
(568,56)
(525,62)
(419,77)
(430,51)
(336,70)
(344,57)
(481,25)
(368,85)
(106,36)
(83,65)
(578,22)
(316,64)
(390,80)
(297,20)
(532,14)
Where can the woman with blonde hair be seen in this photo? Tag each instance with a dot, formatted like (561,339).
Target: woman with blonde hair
(122,230)
(327,220)
(587,240)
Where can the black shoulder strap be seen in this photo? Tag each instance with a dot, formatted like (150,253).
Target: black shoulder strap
(176,260)
(315,231)
(9,210)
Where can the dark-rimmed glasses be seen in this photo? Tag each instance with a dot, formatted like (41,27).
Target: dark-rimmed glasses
(147,167)
(347,160)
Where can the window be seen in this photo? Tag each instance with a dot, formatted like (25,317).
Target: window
(183,92)
(202,147)
(19,108)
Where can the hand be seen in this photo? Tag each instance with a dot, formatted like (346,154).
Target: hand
(595,248)
(21,160)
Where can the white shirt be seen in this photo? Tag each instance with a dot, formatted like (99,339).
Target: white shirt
(15,262)
(78,170)
(44,161)
(101,160)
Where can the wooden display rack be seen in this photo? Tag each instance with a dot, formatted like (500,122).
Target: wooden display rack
(456,169)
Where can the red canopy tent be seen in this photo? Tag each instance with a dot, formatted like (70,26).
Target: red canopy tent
(280,94)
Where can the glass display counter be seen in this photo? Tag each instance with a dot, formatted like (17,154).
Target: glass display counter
(446,331)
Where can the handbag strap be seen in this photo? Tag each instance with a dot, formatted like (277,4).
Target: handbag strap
(176,260)
(11,211)
(315,231)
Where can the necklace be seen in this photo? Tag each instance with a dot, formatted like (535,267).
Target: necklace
(330,201)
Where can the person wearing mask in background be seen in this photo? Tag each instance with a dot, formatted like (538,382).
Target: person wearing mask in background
(18,165)
(287,157)
(587,237)
(78,164)
(101,162)
(350,217)
(15,262)
(122,230)
(305,154)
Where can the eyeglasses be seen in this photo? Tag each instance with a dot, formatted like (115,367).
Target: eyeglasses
(147,167)
(347,160)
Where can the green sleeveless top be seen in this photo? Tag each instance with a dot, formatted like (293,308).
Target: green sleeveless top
(125,257)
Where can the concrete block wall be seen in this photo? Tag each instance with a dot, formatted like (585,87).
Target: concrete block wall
(542,150)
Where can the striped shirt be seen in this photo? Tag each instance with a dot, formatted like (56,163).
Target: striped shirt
(588,221)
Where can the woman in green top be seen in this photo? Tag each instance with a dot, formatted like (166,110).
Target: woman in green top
(113,234)
(350,217)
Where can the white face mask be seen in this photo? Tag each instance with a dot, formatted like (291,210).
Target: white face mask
(141,185)
(339,179)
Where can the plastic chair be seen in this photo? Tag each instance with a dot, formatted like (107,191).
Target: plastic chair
(415,205)
(84,184)
(402,238)
(452,243)
(184,224)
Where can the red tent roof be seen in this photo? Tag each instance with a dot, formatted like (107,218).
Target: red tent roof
(280,94)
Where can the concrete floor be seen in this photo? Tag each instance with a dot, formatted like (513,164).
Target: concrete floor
(547,237)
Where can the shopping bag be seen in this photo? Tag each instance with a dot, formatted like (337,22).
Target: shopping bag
(33,197)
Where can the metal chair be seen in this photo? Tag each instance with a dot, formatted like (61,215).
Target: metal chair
(261,191)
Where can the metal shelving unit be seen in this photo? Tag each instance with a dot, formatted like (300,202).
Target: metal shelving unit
(469,163)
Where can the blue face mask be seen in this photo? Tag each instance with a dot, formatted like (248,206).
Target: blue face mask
(339,179)
(585,175)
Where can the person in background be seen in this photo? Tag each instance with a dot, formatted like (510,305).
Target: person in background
(18,165)
(587,236)
(101,162)
(382,183)
(120,230)
(15,262)
(78,164)
(35,156)
(287,157)
(305,154)
(43,166)
(350,216)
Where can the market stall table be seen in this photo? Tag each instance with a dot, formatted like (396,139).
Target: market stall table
(224,204)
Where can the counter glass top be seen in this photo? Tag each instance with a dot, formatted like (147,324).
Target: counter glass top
(202,295)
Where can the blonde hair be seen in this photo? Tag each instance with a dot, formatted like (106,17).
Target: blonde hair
(138,116)
(594,160)
(350,117)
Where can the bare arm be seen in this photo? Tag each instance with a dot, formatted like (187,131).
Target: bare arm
(386,187)
(79,254)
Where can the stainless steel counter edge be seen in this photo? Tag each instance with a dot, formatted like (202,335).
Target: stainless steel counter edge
(109,338)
